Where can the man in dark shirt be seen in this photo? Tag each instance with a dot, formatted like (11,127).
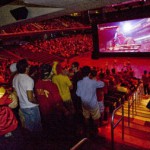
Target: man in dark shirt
(75,78)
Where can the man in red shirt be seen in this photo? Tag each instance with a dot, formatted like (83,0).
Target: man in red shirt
(50,102)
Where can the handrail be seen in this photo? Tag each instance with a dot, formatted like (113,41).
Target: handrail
(132,103)
(30,33)
(113,126)
(130,99)
(76,146)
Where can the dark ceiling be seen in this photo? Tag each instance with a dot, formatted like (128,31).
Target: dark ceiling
(39,10)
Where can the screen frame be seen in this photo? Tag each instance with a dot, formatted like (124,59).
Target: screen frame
(117,16)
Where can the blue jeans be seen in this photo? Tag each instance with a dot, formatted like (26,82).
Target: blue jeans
(32,119)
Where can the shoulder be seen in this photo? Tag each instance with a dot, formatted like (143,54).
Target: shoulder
(28,78)
(79,82)
(39,82)
(65,77)
(15,77)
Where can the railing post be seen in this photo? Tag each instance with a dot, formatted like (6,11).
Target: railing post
(113,126)
(122,122)
(112,136)
(129,111)
(132,104)
(136,93)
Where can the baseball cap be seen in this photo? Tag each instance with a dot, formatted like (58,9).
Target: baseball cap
(13,67)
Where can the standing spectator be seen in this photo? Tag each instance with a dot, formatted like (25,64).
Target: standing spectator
(101,92)
(50,102)
(148,104)
(75,78)
(23,86)
(34,73)
(145,80)
(86,89)
(64,86)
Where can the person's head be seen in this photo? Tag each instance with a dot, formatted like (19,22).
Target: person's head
(45,71)
(86,70)
(75,66)
(22,66)
(107,72)
(101,76)
(145,71)
(13,68)
(93,73)
(113,70)
(33,69)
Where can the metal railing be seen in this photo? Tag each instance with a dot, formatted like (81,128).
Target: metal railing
(79,144)
(132,102)
(114,125)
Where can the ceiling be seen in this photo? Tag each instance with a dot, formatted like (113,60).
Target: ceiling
(46,9)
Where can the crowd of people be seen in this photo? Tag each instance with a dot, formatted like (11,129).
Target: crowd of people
(62,47)
(58,23)
(52,95)
(66,47)
(44,98)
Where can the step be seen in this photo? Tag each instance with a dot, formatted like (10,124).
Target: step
(137,135)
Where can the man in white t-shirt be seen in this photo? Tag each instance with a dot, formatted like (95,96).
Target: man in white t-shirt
(23,86)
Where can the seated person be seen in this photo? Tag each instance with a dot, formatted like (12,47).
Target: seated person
(122,88)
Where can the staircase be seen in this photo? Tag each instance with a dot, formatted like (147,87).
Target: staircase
(136,134)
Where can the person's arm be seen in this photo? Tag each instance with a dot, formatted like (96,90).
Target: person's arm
(78,92)
(31,97)
(14,92)
(68,81)
(14,98)
(100,84)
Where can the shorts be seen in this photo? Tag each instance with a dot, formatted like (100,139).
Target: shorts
(95,113)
